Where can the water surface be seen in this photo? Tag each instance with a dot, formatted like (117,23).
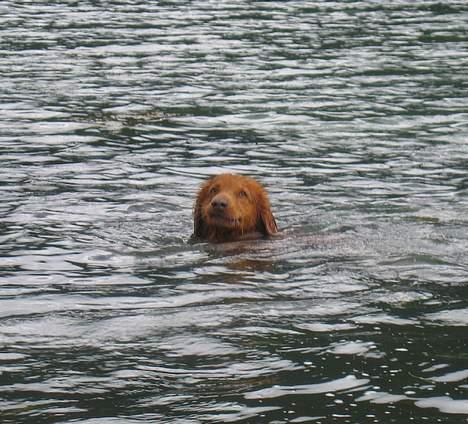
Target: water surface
(352,114)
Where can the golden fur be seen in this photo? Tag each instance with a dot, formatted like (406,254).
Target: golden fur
(232,207)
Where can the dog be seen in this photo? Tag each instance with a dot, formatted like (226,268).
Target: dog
(232,207)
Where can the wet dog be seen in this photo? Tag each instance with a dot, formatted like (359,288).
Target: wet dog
(232,207)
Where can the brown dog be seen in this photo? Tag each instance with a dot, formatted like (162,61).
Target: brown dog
(232,207)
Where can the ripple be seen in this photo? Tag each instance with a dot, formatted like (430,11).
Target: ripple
(456,317)
(445,404)
(353,115)
(452,377)
(345,383)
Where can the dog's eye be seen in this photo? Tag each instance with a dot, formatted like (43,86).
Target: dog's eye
(243,194)
(213,190)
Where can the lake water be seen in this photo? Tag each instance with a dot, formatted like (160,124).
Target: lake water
(354,115)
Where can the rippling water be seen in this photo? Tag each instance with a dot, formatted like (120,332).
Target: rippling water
(353,114)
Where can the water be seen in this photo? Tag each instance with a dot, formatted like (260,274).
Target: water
(353,114)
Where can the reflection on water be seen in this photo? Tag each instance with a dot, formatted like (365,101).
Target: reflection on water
(353,115)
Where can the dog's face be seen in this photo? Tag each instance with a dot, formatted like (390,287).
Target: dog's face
(230,207)
(230,202)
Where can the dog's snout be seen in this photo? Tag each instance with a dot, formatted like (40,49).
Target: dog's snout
(219,203)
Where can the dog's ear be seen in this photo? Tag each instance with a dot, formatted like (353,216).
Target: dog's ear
(199,225)
(268,222)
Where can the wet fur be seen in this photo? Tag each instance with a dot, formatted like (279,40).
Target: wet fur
(232,207)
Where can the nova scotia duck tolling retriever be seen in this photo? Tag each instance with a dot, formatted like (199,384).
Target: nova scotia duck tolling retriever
(232,208)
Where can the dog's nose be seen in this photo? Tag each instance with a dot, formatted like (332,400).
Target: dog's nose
(219,203)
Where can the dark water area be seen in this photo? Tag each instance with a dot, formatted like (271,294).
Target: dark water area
(353,114)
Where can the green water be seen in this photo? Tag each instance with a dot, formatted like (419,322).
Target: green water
(353,114)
